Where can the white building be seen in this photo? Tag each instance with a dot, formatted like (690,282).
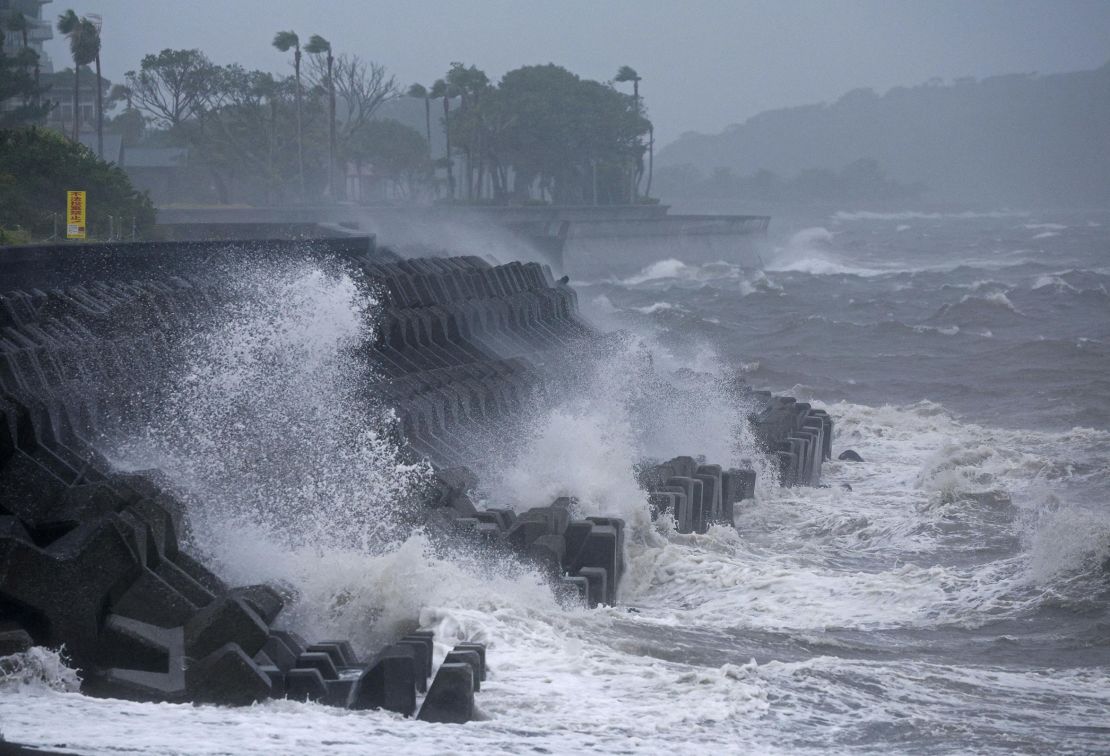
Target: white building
(42,29)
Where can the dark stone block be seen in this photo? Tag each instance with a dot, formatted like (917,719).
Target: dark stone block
(389,683)
(575,538)
(548,551)
(318,660)
(69,583)
(293,642)
(283,657)
(451,698)
(200,573)
(422,659)
(151,599)
(478,648)
(464,656)
(225,620)
(181,582)
(227,676)
(123,637)
(598,584)
(277,680)
(572,591)
(340,692)
(14,641)
(347,655)
(266,602)
(305,685)
(601,550)
(25,485)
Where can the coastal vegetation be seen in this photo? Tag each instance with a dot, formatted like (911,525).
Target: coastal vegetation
(38,166)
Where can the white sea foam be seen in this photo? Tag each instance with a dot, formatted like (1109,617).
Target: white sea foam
(844,215)
(810,251)
(1054,282)
(659,307)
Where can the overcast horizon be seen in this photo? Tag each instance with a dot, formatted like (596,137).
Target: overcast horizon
(765,54)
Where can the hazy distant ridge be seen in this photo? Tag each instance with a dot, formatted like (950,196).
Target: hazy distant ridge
(1015,138)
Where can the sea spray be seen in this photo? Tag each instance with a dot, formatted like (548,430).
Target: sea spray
(272,435)
(625,403)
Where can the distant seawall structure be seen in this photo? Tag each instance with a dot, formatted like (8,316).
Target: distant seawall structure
(583,241)
(99,560)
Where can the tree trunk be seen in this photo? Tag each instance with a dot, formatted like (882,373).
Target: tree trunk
(447,138)
(76,100)
(99,112)
(331,112)
(428,123)
(300,129)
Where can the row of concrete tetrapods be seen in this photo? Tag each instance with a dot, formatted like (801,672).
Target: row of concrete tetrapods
(90,562)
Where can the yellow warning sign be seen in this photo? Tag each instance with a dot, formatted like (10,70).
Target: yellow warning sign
(75,210)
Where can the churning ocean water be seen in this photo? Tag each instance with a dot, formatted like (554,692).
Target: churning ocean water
(948,594)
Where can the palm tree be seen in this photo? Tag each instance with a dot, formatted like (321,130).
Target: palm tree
(419,90)
(84,46)
(286,41)
(627,73)
(96,23)
(442,89)
(317,45)
(624,74)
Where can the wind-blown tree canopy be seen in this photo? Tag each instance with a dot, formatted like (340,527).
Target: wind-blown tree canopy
(578,138)
(38,167)
(18,83)
(84,46)
(361,87)
(395,151)
(172,86)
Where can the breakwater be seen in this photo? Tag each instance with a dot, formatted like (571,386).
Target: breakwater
(99,560)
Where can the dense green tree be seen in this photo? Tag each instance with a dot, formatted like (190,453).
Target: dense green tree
(38,167)
(17,82)
(471,85)
(576,138)
(19,23)
(397,153)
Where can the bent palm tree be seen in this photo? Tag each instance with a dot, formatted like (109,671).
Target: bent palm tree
(84,46)
(286,41)
(317,45)
(624,74)
(419,90)
(442,89)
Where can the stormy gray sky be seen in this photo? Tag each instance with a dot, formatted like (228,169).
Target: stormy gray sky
(705,63)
